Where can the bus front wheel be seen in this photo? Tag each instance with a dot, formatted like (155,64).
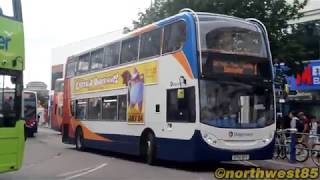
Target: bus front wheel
(150,151)
(79,139)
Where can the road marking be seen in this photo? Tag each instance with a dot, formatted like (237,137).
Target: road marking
(252,164)
(87,171)
(72,172)
(285,164)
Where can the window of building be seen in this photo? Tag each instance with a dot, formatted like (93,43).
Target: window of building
(84,62)
(150,44)
(181,105)
(122,108)
(94,109)
(109,108)
(81,109)
(129,50)
(97,59)
(174,36)
(112,54)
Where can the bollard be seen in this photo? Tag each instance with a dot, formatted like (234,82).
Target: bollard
(293,145)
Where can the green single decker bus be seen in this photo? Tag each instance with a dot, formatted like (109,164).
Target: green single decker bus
(12,126)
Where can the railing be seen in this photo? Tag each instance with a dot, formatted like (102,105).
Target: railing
(297,146)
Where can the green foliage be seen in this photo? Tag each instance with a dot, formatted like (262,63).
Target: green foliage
(275,14)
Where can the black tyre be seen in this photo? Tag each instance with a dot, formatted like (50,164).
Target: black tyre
(315,154)
(79,140)
(150,151)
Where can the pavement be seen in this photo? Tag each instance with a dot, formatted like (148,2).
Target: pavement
(46,157)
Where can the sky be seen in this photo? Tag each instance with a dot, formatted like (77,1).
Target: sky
(52,23)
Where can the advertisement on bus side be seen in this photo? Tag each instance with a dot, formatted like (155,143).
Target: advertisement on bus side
(133,77)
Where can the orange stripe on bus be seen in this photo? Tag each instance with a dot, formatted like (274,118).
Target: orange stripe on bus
(143,29)
(182,59)
(87,134)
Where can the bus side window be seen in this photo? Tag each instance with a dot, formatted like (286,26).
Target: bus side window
(84,63)
(97,59)
(122,108)
(129,50)
(112,54)
(94,109)
(150,44)
(109,108)
(72,108)
(174,37)
(71,69)
(81,109)
(181,105)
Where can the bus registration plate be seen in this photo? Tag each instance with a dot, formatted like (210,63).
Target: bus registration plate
(240,157)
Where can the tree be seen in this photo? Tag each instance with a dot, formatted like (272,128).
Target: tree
(275,14)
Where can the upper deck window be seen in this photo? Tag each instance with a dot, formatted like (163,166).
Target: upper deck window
(84,62)
(97,59)
(71,69)
(112,54)
(150,44)
(231,36)
(129,50)
(174,36)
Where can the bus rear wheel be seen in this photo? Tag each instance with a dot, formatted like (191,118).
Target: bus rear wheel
(79,140)
(150,149)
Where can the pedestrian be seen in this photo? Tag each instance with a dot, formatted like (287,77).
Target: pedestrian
(306,129)
(299,123)
(293,120)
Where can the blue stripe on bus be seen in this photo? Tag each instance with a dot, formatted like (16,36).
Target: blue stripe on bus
(198,150)
(191,150)
(190,46)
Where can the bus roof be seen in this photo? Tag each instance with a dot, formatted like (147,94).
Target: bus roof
(28,91)
(156,25)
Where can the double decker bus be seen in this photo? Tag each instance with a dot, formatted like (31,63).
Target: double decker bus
(191,87)
(30,112)
(12,136)
(57,105)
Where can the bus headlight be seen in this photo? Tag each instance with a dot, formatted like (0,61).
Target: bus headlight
(268,139)
(210,139)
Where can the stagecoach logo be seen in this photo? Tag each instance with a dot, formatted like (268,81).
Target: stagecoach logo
(230,134)
(239,134)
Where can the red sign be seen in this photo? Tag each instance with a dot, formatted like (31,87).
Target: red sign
(305,77)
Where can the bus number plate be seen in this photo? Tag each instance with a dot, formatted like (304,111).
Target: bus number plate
(240,157)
